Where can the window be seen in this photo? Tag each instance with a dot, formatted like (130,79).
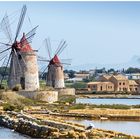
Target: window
(119,89)
(123,83)
(119,83)
(136,89)
(94,87)
(101,88)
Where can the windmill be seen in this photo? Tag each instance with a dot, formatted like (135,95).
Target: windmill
(20,55)
(55,74)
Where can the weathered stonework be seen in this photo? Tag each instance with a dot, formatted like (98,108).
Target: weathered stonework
(48,96)
(55,76)
(24,71)
(31,71)
(66,91)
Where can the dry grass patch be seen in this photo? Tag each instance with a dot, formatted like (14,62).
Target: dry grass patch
(131,112)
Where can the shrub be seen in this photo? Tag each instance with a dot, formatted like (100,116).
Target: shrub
(66,99)
(2,87)
(16,88)
(78,106)
(8,107)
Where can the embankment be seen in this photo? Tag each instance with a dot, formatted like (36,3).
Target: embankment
(39,128)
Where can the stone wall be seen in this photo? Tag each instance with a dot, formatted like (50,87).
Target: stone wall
(48,96)
(66,91)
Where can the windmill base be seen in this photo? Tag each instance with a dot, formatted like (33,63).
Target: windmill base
(66,91)
(57,84)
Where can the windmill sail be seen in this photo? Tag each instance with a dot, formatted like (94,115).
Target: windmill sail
(22,59)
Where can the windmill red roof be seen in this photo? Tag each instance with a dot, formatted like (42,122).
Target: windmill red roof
(55,60)
(25,46)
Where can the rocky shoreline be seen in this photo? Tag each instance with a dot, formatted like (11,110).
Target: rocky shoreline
(48,129)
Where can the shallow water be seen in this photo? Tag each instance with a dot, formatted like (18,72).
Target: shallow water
(108,101)
(127,127)
(9,134)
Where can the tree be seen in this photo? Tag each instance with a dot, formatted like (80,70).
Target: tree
(71,73)
(132,70)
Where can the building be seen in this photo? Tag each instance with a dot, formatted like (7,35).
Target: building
(100,86)
(133,86)
(104,78)
(81,76)
(120,82)
(134,76)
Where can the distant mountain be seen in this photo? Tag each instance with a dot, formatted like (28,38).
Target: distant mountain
(134,62)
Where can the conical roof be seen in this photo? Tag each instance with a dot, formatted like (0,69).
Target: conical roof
(55,60)
(25,46)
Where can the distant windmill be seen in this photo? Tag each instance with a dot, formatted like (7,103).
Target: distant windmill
(55,74)
(20,55)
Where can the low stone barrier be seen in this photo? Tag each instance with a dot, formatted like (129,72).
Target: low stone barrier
(66,91)
(29,128)
(47,129)
(47,96)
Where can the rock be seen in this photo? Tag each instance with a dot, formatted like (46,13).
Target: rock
(82,135)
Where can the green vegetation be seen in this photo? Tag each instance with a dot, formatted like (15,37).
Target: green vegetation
(78,106)
(16,88)
(71,73)
(76,85)
(13,101)
(11,107)
(114,106)
(3,72)
(8,107)
(132,70)
(66,99)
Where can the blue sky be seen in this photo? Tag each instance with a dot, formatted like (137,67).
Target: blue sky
(96,32)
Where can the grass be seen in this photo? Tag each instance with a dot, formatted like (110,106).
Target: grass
(17,102)
(76,85)
(66,99)
(78,106)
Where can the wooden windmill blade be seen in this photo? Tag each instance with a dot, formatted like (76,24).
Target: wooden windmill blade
(5,27)
(29,36)
(5,68)
(21,20)
(61,42)
(62,47)
(48,48)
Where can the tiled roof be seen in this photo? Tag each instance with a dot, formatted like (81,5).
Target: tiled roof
(132,82)
(107,76)
(91,83)
(120,77)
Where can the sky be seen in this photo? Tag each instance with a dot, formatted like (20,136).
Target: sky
(96,32)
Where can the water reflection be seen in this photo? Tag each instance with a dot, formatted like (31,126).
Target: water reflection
(108,101)
(128,127)
(9,134)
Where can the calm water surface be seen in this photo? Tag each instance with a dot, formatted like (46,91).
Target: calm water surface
(8,134)
(108,101)
(127,127)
